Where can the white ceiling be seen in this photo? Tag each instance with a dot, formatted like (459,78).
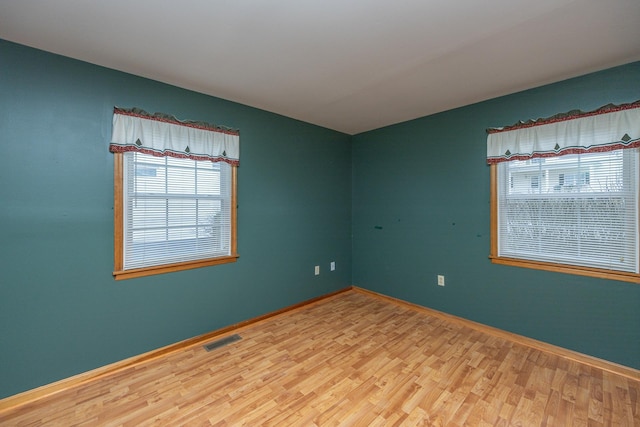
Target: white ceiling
(348,65)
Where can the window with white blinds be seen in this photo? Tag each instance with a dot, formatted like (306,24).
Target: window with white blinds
(564,192)
(174,193)
(175,210)
(579,209)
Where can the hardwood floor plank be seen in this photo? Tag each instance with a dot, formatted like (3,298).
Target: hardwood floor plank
(350,360)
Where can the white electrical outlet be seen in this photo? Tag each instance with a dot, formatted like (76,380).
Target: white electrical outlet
(333,265)
(317,270)
(440,280)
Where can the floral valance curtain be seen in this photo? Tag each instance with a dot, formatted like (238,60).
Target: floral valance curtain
(163,135)
(609,128)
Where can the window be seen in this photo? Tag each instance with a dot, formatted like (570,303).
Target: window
(180,213)
(574,213)
(568,181)
(172,212)
(578,223)
(535,182)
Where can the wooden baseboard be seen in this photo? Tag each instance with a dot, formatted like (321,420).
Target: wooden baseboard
(95,374)
(595,362)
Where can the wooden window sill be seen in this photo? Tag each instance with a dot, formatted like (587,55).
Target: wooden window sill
(569,269)
(169,268)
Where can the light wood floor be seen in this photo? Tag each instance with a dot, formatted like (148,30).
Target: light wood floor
(352,359)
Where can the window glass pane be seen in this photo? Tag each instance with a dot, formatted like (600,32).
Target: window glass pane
(181,212)
(208,182)
(145,213)
(149,179)
(597,172)
(574,209)
(144,235)
(147,159)
(176,161)
(175,210)
(181,233)
(181,181)
(210,212)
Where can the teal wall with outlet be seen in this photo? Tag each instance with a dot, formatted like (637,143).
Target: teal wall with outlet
(61,311)
(421,209)
(406,202)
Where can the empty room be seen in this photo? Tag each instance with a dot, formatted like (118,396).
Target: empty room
(320,213)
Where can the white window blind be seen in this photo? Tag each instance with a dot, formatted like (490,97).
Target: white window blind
(175,210)
(574,209)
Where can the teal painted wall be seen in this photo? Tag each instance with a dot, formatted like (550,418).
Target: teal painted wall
(421,208)
(414,195)
(61,312)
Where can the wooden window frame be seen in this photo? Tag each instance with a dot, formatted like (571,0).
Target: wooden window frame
(540,265)
(118,218)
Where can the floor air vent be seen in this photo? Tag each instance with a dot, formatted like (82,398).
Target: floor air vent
(222,342)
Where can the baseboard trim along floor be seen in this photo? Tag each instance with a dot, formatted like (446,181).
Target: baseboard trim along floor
(592,361)
(47,390)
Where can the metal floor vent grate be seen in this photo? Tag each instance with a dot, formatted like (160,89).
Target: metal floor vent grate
(222,342)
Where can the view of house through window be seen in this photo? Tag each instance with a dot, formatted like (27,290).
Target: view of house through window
(564,192)
(573,209)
